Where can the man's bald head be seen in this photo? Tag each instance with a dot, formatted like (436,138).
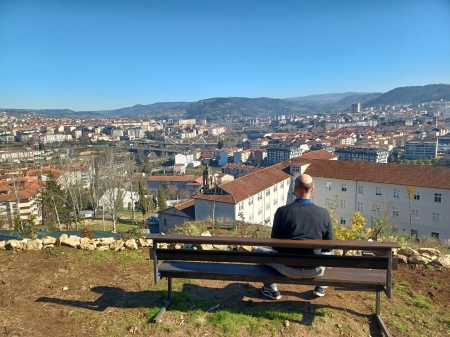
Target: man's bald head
(304,184)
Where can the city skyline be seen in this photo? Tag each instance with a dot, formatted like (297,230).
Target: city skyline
(111,54)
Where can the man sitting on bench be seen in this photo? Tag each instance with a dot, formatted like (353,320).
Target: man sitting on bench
(300,220)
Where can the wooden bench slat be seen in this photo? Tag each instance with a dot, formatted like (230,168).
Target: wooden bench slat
(372,262)
(373,280)
(223,240)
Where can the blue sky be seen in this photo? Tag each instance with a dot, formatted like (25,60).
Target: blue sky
(98,55)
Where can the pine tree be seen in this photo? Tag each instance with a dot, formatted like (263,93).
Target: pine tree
(161,199)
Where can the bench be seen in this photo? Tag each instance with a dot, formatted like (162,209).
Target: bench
(362,273)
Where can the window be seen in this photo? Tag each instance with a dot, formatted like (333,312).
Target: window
(275,202)
(415,233)
(435,235)
(281,185)
(360,207)
(361,189)
(415,214)
(437,197)
(268,192)
(275,188)
(343,221)
(250,201)
(396,193)
(378,191)
(250,217)
(259,196)
(241,206)
(287,182)
(268,206)
(417,196)
(343,203)
(328,186)
(260,211)
(328,202)
(395,211)
(344,187)
(436,217)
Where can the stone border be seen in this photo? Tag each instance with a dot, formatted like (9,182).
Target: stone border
(425,256)
(77,242)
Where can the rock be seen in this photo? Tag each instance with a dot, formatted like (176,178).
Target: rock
(141,242)
(178,246)
(286,323)
(48,240)
(87,246)
(246,248)
(105,242)
(407,251)
(65,288)
(221,247)
(418,260)
(207,247)
(2,245)
(116,245)
(353,253)
(48,246)
(84,241)
(338,252)
(428,256)
(103,248)
(131,244)
(402,258)
(13,245)
(33,245)
(61,239)
(72,241)
(429,251)
(443,261)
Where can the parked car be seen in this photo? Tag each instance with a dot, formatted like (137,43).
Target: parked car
(152,221)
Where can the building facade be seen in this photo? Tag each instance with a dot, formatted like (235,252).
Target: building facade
(362,154)
(421,149)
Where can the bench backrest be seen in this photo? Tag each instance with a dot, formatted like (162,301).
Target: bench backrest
(382,261)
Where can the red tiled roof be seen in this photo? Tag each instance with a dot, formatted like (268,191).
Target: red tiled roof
(173,178)
(187,207)
(396,174)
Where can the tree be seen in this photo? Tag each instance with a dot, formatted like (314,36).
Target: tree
(383,221)
(53,202)
(161,199)
(142,203)
(410,193)
(114,179)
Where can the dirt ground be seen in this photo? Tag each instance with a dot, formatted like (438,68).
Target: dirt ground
(65,292)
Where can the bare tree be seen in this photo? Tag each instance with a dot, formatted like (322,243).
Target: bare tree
(115,176)
(410,194)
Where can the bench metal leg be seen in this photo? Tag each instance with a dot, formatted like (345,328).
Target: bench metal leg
(166,305)
(378,315)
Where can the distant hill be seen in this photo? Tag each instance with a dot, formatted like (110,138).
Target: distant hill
(137,110)
(417,94)
(143,109)
(360,98)
(240,106)
(332,98)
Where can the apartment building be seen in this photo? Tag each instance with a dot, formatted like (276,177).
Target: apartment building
(256,196)
(362,154)
(358,186)
(421,149)
(19,196)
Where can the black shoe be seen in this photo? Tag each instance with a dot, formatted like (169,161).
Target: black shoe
(319,291)
(275,295)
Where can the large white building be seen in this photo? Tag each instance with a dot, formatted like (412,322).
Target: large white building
(357,185)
